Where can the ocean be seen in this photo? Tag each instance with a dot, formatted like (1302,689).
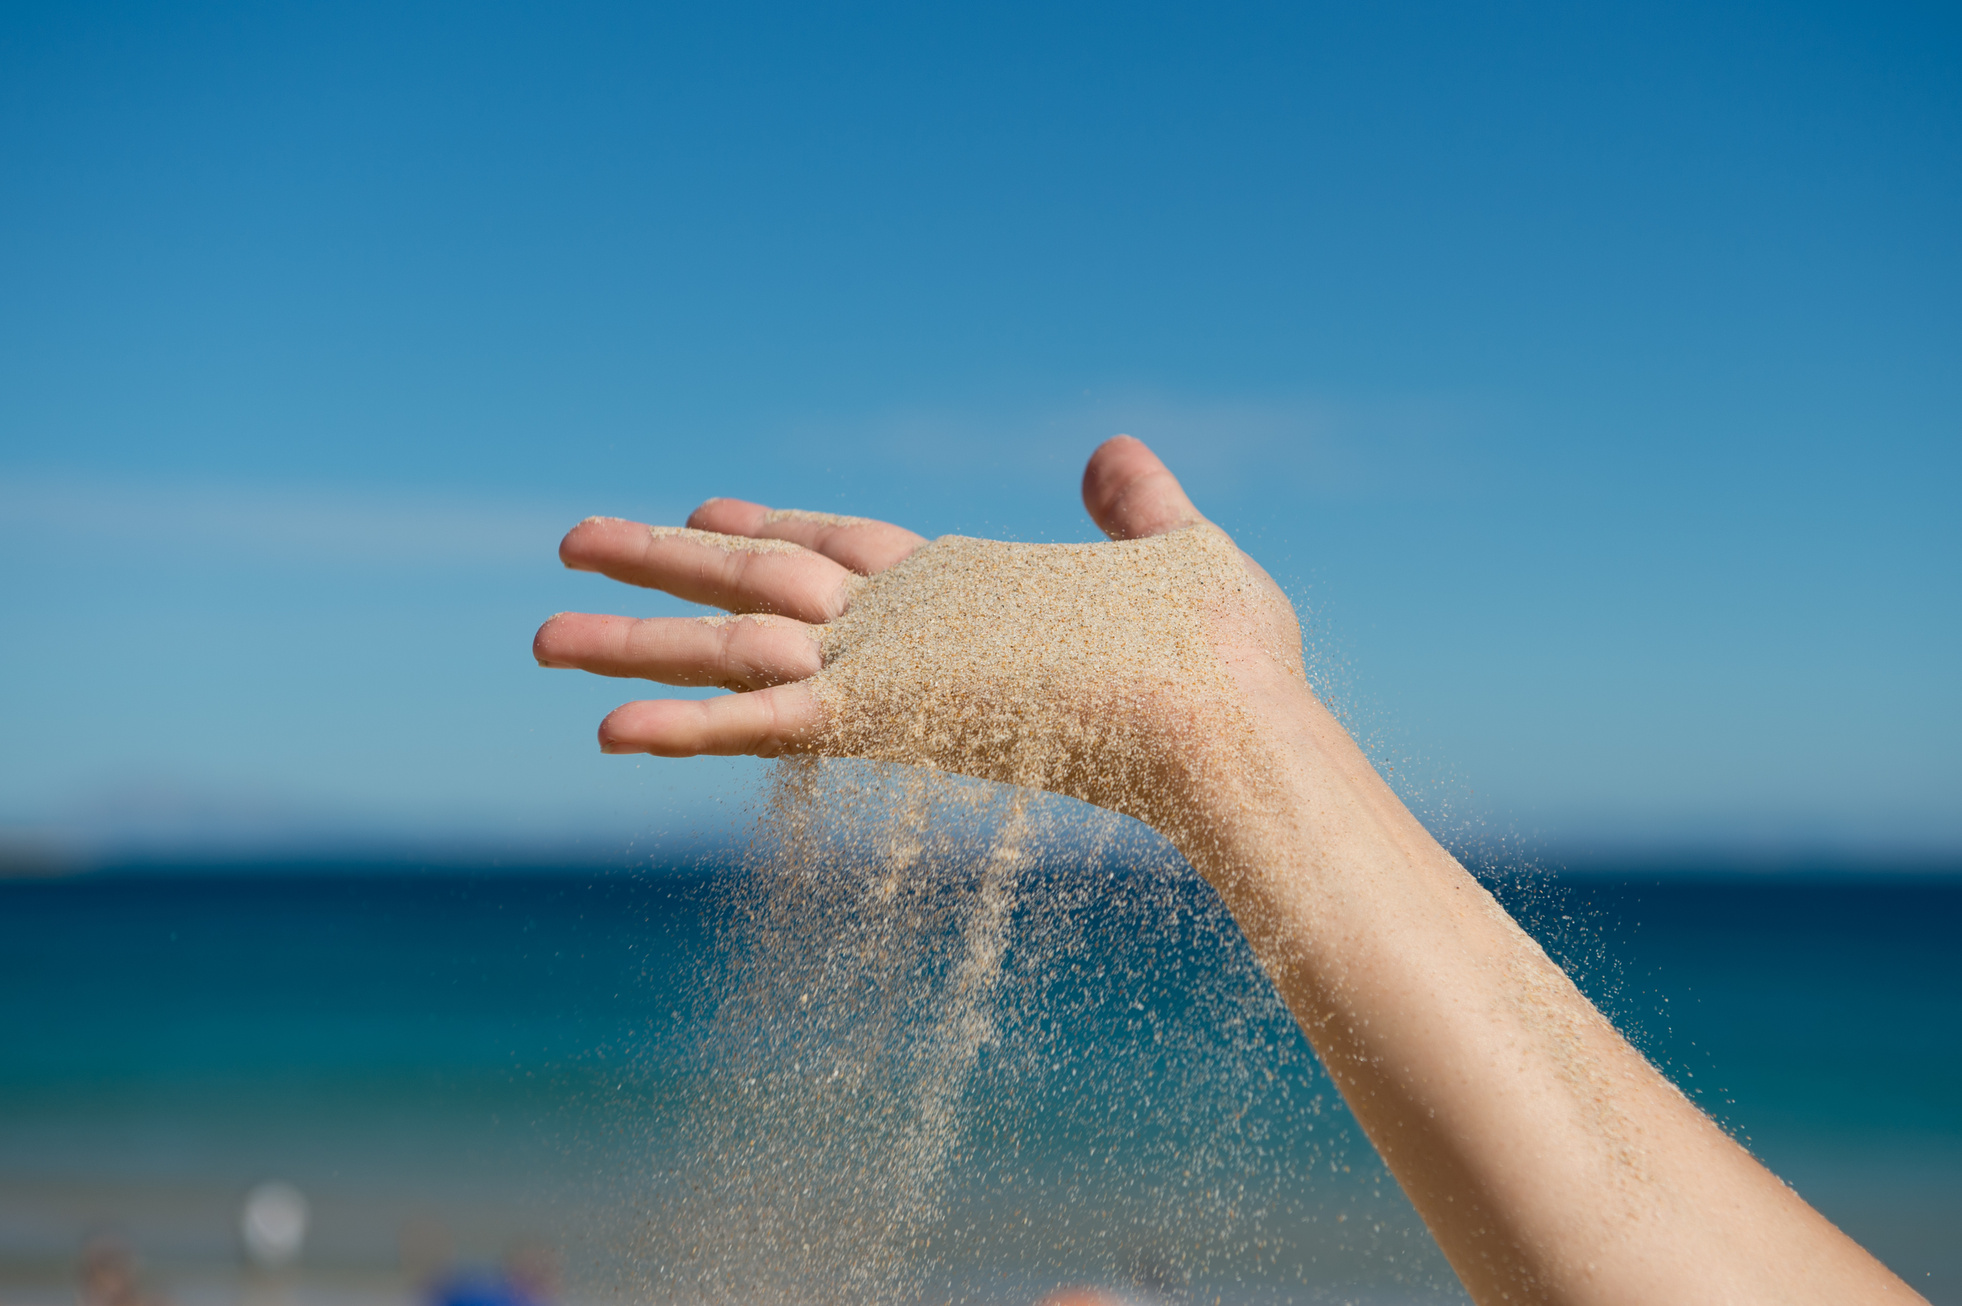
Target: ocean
(457,1067)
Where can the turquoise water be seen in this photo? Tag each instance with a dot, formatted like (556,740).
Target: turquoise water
(514,1055)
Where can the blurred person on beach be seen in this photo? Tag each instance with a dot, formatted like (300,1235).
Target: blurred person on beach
(106,1274)
(1548,1158)
(527,1276)
(530,1273)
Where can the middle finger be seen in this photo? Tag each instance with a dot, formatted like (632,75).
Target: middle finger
(729,571)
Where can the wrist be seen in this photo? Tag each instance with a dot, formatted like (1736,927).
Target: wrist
(1282,806)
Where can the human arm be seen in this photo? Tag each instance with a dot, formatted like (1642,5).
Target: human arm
(1549,1159)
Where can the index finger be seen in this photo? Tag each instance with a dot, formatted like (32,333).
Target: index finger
(864,545)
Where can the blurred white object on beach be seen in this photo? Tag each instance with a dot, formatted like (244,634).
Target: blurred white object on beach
(273,1224)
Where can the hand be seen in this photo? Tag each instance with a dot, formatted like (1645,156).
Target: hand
(791,573)
(1552,1162)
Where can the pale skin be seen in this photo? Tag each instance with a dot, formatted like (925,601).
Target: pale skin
(1549,1159)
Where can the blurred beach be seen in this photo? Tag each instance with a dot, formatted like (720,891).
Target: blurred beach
(462,1073)
(1585,374)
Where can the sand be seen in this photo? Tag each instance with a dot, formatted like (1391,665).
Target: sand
(1064,668)
(900,917)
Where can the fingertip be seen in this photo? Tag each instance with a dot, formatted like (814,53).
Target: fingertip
(576,550)
(613,735)
(728,516)
(541,642)
(1130,493)
(765,723)
(1111,463)
(660,727)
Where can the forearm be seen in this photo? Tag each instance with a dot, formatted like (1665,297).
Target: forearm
(1549,1159)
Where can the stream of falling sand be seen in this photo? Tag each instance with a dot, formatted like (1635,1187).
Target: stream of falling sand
(867,938)
(869,968)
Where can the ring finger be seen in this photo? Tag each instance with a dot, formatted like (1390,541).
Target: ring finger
(741,653)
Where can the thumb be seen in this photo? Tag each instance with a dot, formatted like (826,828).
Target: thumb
(1131,495)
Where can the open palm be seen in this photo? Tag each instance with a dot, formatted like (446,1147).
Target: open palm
(789,572)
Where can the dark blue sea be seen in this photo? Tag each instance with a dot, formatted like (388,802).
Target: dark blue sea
(451,1064)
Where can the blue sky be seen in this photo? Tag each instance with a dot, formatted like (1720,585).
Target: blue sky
(1590,374)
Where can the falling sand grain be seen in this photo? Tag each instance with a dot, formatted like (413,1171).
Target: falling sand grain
(873,940)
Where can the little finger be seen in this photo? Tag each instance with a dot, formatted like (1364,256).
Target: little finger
(766,723)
